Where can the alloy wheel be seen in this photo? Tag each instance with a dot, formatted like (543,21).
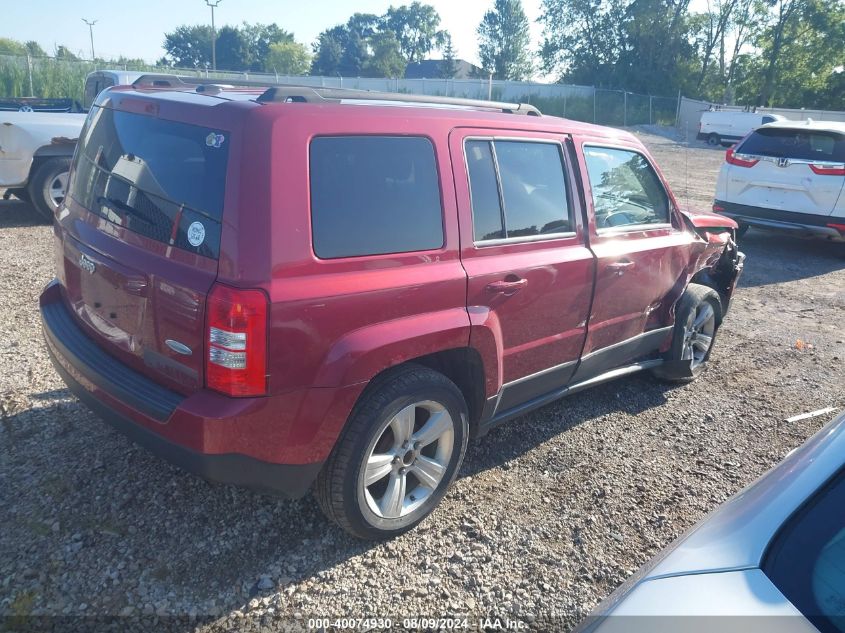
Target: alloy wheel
(408,459)
(698,333)
(55,189)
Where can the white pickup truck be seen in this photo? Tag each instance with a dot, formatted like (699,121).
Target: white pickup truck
(35,153)
(36,147)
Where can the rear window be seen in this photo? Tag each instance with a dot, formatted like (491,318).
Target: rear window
(796,144)
(372,195)
(162,179)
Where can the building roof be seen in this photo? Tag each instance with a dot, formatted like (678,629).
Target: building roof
(432,69)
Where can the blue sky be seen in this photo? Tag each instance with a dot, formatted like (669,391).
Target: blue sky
(136,28)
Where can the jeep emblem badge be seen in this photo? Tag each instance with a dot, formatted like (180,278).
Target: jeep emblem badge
(87,264)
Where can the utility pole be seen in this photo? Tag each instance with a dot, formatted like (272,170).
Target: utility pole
(91,24)
(213,4)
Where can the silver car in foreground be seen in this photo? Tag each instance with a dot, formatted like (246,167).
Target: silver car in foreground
(772,558)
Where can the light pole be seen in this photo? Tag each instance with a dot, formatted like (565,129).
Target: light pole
(213,4)
(91,24)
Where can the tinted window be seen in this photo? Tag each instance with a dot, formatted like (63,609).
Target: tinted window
(374,194)
(532,186)
(626,190)
(148,174)
(795,143)
(486,209)
(806,562)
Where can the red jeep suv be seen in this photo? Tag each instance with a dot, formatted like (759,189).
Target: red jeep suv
(304,287)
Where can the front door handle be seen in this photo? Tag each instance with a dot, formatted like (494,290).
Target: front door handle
(619,268)
(507,288)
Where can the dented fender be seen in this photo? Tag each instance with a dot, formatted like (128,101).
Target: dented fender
(719,262)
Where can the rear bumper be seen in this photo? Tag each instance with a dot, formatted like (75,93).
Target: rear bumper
(801,223)
(274,444)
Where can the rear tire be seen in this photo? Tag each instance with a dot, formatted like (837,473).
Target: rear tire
(714,139)
(401,449)
(697,319)
(742,230)
(48,185)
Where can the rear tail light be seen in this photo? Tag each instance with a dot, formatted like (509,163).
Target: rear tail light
(236,362)
(718,208)
(738,160)
(838,227)
(828,170)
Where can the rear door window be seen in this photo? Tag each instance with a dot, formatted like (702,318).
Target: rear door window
(162,179)
(797,144)
(373,195)
(518,189)
(626,190)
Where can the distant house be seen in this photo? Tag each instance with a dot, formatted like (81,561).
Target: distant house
(432,69)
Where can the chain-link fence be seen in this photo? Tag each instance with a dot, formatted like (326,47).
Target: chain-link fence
(22,76)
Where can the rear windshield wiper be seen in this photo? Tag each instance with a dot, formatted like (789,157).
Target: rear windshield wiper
(120,207)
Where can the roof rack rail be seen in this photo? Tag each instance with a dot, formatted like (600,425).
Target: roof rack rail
(311,94)
(316,94)
(200,84)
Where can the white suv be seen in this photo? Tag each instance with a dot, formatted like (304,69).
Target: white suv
(787,176)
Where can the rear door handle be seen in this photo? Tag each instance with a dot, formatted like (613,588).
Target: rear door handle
(619,268)
(507,288)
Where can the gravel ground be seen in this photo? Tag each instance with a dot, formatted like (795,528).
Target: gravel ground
(549,515)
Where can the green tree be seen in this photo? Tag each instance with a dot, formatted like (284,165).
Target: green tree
(658,56)
(449,66)
(583,39)
(34,49)
(800,63)
(238,48)
(714,26)
(232,50)
(256,41)
(11,47)
(785,12)
(386,59)
(288,58)
(346,49)
(416,29)
(189,46)
(328,51)
(504,41)
(63,52)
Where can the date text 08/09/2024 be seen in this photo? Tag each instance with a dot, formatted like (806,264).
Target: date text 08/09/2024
(416,623)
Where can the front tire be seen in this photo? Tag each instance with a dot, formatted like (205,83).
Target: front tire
(714,140)
(48,186)
(697,318)
(402,448)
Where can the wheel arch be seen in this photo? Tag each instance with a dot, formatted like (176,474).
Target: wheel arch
(462,365)
(56,150)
